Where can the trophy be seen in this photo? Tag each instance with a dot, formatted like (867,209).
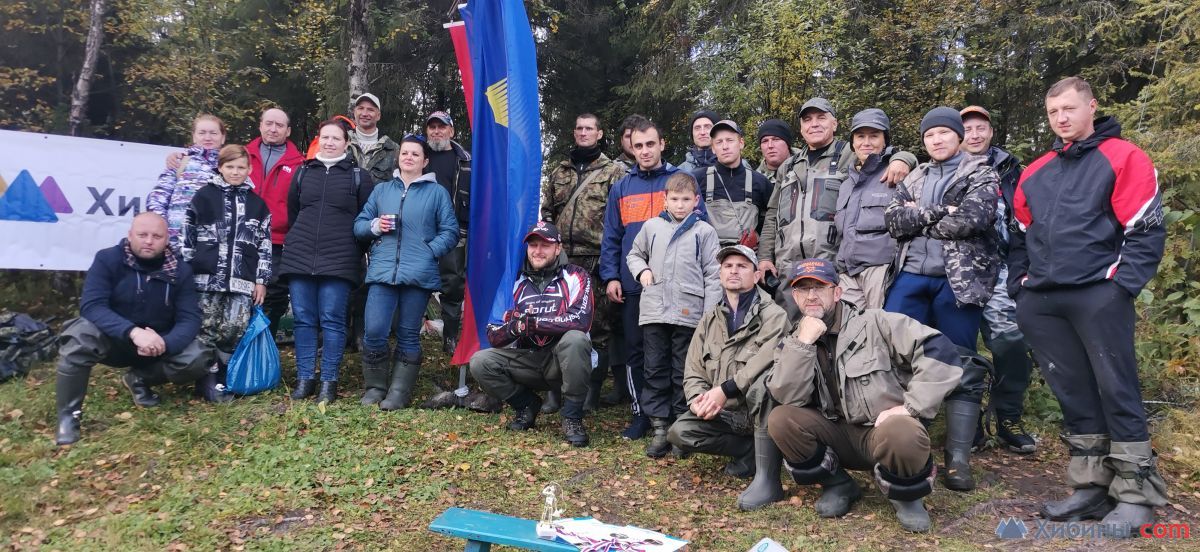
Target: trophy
(550,512)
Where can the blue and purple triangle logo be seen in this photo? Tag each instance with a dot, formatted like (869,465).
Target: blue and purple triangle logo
(25,201)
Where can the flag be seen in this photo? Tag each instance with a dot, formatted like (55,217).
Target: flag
(506,161)
(462,53)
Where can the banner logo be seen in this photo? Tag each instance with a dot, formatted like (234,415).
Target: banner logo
(497,95)
(25,201)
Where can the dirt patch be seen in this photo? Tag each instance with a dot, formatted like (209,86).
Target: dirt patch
(279,523)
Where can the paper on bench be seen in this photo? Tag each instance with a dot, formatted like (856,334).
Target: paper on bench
(585,532)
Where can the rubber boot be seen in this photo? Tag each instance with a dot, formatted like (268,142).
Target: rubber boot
(552,402)
(143,395)
(620,391)
(375,376)
(592,403)
(1086,503)
(962,419)
(766,488)
(404,375)
(839,492)
(1126,520)
(658,446)
(1089,476)
(69,391)
(912,515)
(305,388)
(742,465)
(1137,487)
(328,392)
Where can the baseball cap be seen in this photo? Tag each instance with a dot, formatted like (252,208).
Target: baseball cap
(441,116)
(368,96)
(820,104)
(544,230)
(727,125)
(976,110)
(820,270)
(871,118)
(737,250)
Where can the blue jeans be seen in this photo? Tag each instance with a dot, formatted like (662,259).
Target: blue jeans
(930,301)
(319,302)
(383,300)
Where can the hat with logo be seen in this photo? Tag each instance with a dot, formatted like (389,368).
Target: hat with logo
(370,97)
(820,270)
(737,250)
(544,230)
(440,116)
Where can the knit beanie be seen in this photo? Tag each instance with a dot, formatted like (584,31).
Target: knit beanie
(777,128)
(703,114)
(943,117)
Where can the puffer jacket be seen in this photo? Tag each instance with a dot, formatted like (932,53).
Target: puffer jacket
(880,360)
(682,256)
(970,243)
(547,303)
(227,238)
(176,187)
(733,361)
(574,199)
(120,294)
(322,205)
(425,230)
(862,232)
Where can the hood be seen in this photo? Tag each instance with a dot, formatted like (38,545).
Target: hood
(1105,128)
(219,181)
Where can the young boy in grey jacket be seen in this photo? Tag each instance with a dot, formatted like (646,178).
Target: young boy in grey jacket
(674,257)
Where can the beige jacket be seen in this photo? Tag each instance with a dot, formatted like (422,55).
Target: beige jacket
(715,357)
(881,360)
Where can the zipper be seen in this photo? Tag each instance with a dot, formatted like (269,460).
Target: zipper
(320,217)
(399,232)
(232,232)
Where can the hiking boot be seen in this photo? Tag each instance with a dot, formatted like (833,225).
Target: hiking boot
(658,446)
(839,491)
(1012,434)
(912,515)
(574,432)
(305,388)
(552,402)
(637,428)
(143,395)
(526,416)
(1086,503)
(449,344)
(328,392)
(1126,520)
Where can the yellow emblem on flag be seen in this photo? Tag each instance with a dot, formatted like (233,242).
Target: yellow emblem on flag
(497,95)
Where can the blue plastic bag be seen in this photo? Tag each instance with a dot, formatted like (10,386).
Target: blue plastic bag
(254,367)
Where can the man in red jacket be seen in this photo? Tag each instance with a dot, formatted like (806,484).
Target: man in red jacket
(273,161)
(1091,236)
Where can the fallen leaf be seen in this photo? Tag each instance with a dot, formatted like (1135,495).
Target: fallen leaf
(125,416)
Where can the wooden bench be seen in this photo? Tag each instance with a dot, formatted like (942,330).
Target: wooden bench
(483,529)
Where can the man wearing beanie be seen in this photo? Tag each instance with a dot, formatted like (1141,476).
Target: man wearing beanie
(800,211)
(866,250)
(700,154)
(574,196)
(775,139)
(1004,339)
(943,215)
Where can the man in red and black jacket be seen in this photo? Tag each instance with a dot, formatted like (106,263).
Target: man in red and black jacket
(543,343)
(1090,237)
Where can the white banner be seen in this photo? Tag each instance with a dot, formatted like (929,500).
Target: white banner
(62,199)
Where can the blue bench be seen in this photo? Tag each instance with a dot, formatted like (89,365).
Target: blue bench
(483,529)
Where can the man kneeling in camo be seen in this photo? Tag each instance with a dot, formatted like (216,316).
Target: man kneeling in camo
(853,386)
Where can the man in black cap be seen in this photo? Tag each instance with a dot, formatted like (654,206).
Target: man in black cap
(800,211)
(700,154)
(775,139)
(543,343)
(736,196)
(451,164)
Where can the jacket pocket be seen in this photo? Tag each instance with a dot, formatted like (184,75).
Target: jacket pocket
(870,387)
(870,216)
(691,302)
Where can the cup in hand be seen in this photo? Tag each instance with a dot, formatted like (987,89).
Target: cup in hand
(387,222)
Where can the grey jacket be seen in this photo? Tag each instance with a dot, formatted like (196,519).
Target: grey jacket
(683,258)
(880,360)
(862,233)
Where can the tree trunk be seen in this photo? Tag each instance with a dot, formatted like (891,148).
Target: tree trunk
(83,86)
(359,41)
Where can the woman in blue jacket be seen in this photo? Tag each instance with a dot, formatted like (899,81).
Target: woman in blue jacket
(410,218)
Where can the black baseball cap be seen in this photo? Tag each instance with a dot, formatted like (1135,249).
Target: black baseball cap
(544,230)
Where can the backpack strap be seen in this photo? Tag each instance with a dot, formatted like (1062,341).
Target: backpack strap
(357,180)
(300,176)
(749,185)
(711,187)
(838,146)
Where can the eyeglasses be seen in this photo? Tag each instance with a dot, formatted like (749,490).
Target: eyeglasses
(809,290)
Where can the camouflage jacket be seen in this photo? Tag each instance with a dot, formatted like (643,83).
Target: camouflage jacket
(379,159)
(574,201)
(969,238)
(771,174)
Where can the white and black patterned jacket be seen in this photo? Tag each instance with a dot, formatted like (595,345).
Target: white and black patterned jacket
(227,238)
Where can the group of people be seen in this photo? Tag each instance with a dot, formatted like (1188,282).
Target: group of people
(811,315)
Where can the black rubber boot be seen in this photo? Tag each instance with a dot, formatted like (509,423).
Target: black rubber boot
(742,465)
(1086,503)
(69,392)
(839,492)
(962,419)
(912,515)
(328,392)
(305,388)
(404,375)
(766,488)
(592,403)
(375,376)
(658,446)
(143,395)
(552,402)
(907,494)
